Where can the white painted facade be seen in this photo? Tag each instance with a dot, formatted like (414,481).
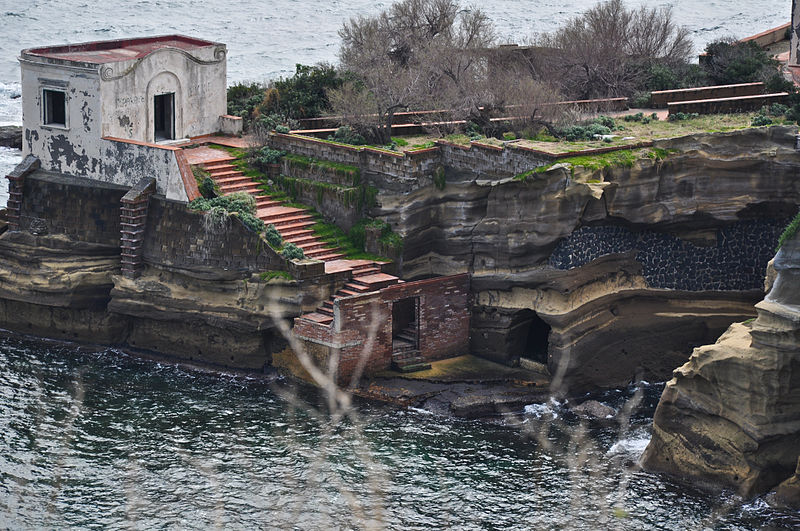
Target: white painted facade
(116,95)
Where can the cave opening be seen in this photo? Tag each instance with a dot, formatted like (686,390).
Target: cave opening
(537,340)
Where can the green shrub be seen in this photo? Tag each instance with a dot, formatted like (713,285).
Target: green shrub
(205,184)
(729,62)
(682,116)
(271,275)
(654,116)
(346,135)
(508,135)
(292,252)
(634,117)
(272,235)
(240,202)
(251,222)
(641,100)
(282,129)
(760,120)
(789,232)
(605,121)
(778,109)
(265,156)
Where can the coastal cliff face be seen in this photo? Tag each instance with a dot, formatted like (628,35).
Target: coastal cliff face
(730,416)
(609,274)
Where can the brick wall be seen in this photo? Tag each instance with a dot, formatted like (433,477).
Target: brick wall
(363,325)
(728,105)
(83,209)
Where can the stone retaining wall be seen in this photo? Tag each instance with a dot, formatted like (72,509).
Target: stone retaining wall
(178,237)
(84,209)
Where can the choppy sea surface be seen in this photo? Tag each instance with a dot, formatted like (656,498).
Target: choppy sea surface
(98,440)
(95,439)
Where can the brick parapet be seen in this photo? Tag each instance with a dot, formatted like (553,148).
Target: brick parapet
(133,226)
(16,183)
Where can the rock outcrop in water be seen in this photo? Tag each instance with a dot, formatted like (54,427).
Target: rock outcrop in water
(730,416)
(11,136)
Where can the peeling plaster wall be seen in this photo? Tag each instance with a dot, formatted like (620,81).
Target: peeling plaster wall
(116,100)
(76,148)
(197,78)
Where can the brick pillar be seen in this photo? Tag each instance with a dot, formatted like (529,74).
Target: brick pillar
(16,182)
(133,224)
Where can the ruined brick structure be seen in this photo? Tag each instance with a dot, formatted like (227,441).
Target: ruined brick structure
(365,334)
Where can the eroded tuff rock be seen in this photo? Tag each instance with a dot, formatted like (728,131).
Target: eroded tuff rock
(665,254)
(206,316)
(730,416)
(55,287)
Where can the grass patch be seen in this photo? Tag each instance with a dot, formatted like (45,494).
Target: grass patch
(623,158)
(789,232)
(266,276)
(345,171)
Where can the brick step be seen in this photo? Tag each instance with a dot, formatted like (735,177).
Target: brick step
(280,223)
(318,250)
(286,217)
(312,247)
(301,239)
(290,226)
(317,317)
(329,257)
(357,288)
(414,365)
(249,187)
(233,180)
(376,281)
(287,235)
(221,161)
(407,336)
(325,311)
(347,293)
(364,272)
(404,353)
(227,175)
(264,201)
(328,304)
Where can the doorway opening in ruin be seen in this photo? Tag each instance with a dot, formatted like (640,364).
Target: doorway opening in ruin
(405,325)
(164,116)
(537,340)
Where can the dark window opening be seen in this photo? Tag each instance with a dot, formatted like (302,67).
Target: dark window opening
(164,116)
(537,340)
(55,107)
(405,325)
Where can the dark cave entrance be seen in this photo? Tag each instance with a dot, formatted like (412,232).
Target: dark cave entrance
(537,340)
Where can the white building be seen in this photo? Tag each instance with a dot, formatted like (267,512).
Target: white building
(110,110)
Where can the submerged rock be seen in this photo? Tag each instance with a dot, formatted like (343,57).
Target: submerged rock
(787,495)
(11,136)
(730,417)
(592,409)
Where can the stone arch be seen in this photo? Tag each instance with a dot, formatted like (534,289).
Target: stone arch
(164,82)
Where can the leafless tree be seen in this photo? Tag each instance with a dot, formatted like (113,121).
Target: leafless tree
(426,54)
(608,50)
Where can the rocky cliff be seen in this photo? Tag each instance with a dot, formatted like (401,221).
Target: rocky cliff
(730,416)
(606,274)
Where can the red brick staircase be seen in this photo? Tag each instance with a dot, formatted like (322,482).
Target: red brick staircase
(292,223)
(294,226)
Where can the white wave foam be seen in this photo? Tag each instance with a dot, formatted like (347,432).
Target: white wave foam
(548,410)
(633,446)
(10,104)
